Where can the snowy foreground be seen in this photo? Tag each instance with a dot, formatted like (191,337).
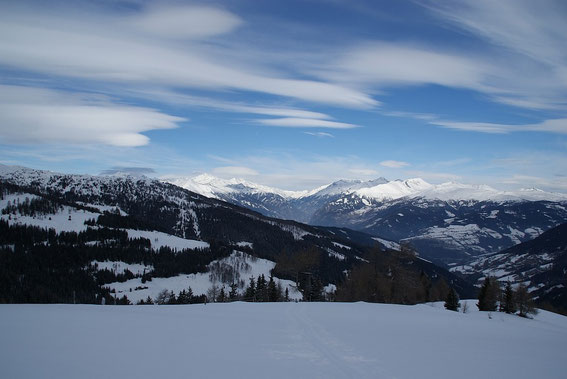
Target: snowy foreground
(279,340)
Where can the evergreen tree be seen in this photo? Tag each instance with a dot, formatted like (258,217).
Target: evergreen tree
(183,297)
(261,288)
(272,290)
(452,301)
(489,294)
(317,290)
(222,296)
(233,294)
(250,293)
(508,303)
(286,298)
(172,298)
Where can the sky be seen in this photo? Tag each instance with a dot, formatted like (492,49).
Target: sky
(290,94)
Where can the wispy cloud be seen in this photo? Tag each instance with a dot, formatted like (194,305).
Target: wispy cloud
(41,116)
(532,35)
(550,126)
(394,164)
(187,21)
(388,64)
(434,176)
(235,171)
(296,122)
(294,172)
(320,134)
(78,47)
(172,97)
(363,172)
(128,170)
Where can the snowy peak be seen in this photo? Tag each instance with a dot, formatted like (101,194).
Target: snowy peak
(346,186)
(458,191)
(212,186)
(379,189)
(394,190)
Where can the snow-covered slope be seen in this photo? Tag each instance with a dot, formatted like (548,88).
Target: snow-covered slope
(278,340)
(540,263)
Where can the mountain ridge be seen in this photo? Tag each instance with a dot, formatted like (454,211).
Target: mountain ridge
(447,223)
(376,189)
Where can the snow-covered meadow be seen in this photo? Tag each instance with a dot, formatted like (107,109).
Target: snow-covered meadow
(277,340)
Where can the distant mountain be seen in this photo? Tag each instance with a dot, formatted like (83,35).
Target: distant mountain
(447,223)
(541,263)
(65,232)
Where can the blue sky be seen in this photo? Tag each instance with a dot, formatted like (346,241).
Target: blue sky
(290,94)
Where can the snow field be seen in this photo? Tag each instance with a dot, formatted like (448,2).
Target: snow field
(201,282)
(159,239)
(277,340)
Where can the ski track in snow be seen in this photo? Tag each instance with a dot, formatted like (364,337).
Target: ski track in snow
(277,340)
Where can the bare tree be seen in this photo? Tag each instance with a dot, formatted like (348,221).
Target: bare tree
(213,293)
(524,301)
(162,297)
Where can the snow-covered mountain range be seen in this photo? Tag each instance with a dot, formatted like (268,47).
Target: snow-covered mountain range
(378,189)
(171,234)
(448,222)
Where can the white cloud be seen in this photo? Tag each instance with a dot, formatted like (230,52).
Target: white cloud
(171,97)
(296,122)
(234,171)
(535,29)
(76,46)
(394,164)
(550,126)
(294,172)
(434,176)
(185,21)
(320,134)
(389,64)
(363,172)
(530,36)
(41,116)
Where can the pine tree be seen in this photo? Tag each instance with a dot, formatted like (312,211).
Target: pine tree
(250,293)
(172,298)
(508,303)
(452,301)
(286,298)
(183,298)
(317,290)
(272,290)
(261,288)
(489,294)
